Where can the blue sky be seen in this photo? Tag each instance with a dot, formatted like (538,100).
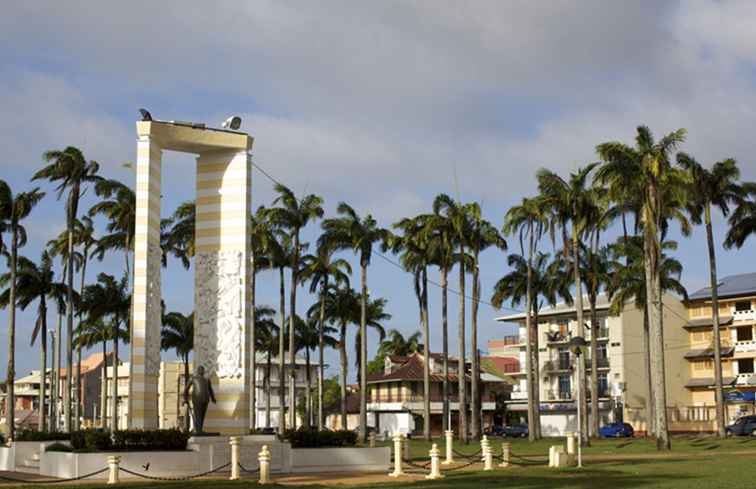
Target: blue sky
(378,104)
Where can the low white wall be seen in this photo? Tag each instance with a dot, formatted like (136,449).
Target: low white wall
(161,464)
(7,458)
(340,459)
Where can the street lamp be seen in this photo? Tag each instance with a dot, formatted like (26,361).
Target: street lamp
(577,346)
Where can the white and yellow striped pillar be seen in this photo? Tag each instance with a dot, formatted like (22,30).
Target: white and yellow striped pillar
(146,322)
(222,299)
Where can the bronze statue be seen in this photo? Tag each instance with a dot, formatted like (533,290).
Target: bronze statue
(202,394)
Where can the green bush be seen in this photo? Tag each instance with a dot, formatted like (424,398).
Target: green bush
(58,447)
(33,435)
(2,439)
(129,440)
(312,438)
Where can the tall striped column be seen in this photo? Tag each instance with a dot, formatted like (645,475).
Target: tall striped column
(145,327)
(222,300)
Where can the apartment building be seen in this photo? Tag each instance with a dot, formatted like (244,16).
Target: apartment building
(737,318)
(396,400)
(622,376)
(268,382)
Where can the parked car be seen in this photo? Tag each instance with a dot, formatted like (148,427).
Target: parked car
(616,430)
(514,431)
(742,427)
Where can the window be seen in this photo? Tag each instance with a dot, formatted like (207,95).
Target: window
(564,358)
(601,352)
(564,387)
(603,385)
(564,328)
(745,333)
(742,306)
(745,366)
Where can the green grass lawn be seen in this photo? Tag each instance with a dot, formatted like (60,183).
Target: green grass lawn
(694,463)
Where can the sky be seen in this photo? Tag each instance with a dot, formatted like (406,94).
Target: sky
(379,104)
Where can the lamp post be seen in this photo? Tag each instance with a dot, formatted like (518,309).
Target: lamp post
(577,345)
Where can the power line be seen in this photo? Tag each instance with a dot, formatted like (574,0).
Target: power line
(395,263)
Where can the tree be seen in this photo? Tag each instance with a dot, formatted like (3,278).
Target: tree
(664,188)
(178,334)
(460,223)
(36,283)
(719,188)
(311,334)
(529,220)
(72,171)
(109,300)
(628,283)
(573,199)
(375,316)
(483,235)
(13,210)
(88,335)
(118,206)
(178,239)
(350,231)
(743,220)
(319,270)
(398,345)
(267,341)
(293,215)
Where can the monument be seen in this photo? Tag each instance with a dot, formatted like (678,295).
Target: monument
(222,270)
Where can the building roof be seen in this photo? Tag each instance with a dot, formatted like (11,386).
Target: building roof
(730,286)
(708,382)
(499,366)
(411,369)
(602,303)
(91,362)
(707,322)
(709,353)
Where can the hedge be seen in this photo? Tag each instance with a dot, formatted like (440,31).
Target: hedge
(312,438)
(33,435)
(129,440)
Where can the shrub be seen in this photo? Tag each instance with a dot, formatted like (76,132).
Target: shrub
(2,439)
(97,440)
(33,435)
(312,438)
(144,440)
(58,447)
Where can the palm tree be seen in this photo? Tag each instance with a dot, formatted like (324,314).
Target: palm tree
(118,205)
(88,335)
(71,169)
(663,193)
(441,250)
(178,240)
(350,231)
(178,334)
(743,220)
(293,215)
(717,187)
(267,341)
(36,283)
(483,235)
(375,316)
(628,283)
(415,258)
(109,299)
(397,344)
(310,335)
(529,220)
(573,199)
(320,269)
(13,210)
(456,213)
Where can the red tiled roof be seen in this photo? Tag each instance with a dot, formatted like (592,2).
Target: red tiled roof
(92,361)
(411,369)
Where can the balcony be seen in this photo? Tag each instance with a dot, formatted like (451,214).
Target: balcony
(556,338)
(601,363)
(557,366)
(744,315)
(512,340)
(559,395)
(745,346)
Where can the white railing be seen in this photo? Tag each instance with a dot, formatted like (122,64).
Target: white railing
(743,379)
(745,346)
(748,314)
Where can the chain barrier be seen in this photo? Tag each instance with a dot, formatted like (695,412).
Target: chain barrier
(464,466)
(185,478)
(477,454)
(524,461)
(53,481)
(248,471)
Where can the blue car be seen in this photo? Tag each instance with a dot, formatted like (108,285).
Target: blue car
(616,430)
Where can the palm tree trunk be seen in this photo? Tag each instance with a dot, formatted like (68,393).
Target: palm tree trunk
(426,357)
(474,387)
(58,361)
(461,339)
(343,375)
(594,425)
(114,386)
(292,334)
(536,376)
(79,406)
(43,364)
(581,391)
(187,426)
(445,340)
(281,353)
(308,400)
(253,346)
(267,388)
(651,263)
(529,359)
(10,399)
(321,348)
(363,353)
(715,326)
(104,387)
(649,388)
(67,414)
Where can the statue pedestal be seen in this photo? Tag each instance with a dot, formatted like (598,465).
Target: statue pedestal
(215,450)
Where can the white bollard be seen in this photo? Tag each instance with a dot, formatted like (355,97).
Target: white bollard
(397,456)
(487,458)
(449,447)
(264,460)
(571,441)
(235,442)
(483,443)
(371,439)
(435,468)
(506,454)
(113,462)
